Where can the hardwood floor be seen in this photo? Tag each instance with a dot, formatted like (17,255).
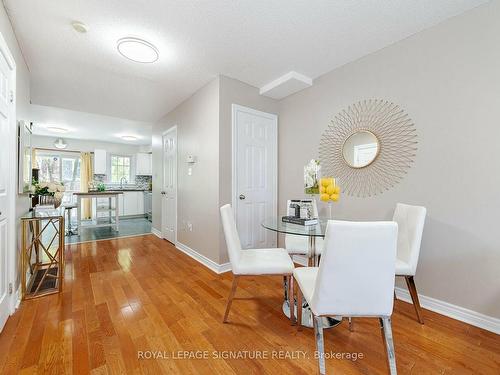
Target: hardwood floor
(126,296)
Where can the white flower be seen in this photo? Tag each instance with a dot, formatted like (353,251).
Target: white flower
(32,189)
(42,185)
(52,187)
(61,188)
(58,195)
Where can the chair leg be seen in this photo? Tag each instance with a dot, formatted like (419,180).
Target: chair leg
(386,327)
(351,328)
(299,309)
(291,299)
(414,297)
(230,297)
(318,333)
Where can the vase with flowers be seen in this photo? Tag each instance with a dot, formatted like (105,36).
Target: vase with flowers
(48,193)
(311,177)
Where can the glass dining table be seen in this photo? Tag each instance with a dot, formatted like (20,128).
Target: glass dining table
(312,232)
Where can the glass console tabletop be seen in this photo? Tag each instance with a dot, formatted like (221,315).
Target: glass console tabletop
(277,225)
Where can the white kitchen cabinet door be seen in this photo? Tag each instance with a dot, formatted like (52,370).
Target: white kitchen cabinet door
(130,203)
(143,164)
(120,204)
(140,203)
(100,162)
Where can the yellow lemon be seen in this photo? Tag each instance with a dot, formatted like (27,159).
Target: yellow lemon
(330,189)
(322,189)
(324,197)
(334,197)
(324,182)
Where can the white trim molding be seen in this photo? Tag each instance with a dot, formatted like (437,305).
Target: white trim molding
(209,263)
(456,312)
(156,232)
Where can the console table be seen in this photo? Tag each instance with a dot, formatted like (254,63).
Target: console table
(42,252)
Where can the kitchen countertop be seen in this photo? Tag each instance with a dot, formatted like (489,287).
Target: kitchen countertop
(106,192)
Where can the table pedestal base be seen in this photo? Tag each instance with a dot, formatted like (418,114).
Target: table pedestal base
(307,316)
(307,320)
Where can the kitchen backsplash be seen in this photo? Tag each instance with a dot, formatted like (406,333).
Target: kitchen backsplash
(142,182)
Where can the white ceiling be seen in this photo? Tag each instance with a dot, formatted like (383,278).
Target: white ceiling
(254,41)
(84,125)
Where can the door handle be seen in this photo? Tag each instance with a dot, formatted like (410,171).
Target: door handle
(163,193)
(242,197)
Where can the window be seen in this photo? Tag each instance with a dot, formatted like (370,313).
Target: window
(59,167)
(120,167)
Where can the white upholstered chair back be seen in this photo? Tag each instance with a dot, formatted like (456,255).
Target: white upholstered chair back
(410,221)
(356,273)
(231,234)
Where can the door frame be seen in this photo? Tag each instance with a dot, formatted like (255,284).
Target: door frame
(163,213)
(234,178)
(12,186)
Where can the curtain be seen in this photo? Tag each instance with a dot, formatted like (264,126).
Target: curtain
(86,176)
(34,163)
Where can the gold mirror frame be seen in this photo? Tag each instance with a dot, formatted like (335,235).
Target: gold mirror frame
(353,134)
(397,145)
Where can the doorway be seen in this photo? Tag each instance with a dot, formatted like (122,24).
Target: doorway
(255,174)
(169,186)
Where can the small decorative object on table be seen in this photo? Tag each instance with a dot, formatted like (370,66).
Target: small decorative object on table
(101,187)
(311,177)
(329,192)
(48,193)
(300,211)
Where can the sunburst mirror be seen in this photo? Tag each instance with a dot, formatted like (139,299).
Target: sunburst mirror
(368,147)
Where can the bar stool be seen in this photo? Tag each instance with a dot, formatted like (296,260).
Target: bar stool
(68,207)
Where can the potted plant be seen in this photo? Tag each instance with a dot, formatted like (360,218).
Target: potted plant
(47,193)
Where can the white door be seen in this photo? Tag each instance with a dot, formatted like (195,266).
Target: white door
(255,155)
(169,189)
(6,188)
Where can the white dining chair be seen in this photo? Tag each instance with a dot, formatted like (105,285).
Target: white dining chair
(410,221)
(299,245)
(253,262)
(355,278)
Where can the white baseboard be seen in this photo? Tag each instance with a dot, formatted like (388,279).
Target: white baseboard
(456,312)
(209,263)
(156,232)
(18,299)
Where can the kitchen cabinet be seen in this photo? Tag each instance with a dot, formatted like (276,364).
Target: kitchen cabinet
(130,203)
(143,164)
(100,162)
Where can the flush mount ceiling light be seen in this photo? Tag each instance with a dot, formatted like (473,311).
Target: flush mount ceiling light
(137,50)
(57,129)
(79,27)
(129,138)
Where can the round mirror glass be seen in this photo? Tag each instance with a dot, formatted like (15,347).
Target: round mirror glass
(360,149)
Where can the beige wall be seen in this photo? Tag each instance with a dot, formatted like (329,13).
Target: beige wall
(233,91)
(448,79)
(204,130)
(197,121)
(22,99)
